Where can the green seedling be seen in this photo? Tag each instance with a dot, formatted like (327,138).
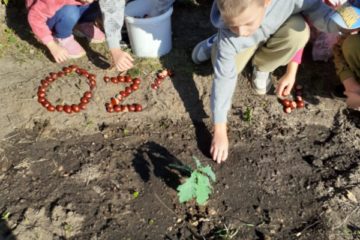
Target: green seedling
(134,72)
(197,185)
(247,115)
(135,195)
(5,216)
(126,132)
(226,233)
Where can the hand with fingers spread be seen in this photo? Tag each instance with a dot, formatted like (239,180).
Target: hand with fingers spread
(59,53)
(122,60)
(287,81)
(220,143)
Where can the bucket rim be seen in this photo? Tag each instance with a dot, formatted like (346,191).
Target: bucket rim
(150,20)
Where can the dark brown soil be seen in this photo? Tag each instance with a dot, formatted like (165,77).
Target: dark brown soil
(287,177)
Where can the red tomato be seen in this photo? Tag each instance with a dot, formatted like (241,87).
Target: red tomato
(51,108)
(117,108)
(84,100)
(67,108)
(300,104)
(138,108)
(128,79)
(75,108)
(136,81)
(114,80)
(106,79)
(88,94)
(121,78)
(128,90)
(134,87)
(59,108)
(154,86)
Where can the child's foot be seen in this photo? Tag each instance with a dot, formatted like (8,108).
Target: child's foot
(261,82)
(72,46)
(90,31)
(202,51)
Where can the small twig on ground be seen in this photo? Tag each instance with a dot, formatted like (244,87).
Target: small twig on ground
(347,217)
(158,198)
(311,225)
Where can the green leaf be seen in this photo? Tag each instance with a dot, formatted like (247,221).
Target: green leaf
(202,189)
(208,171)
(5,216)
(197,161)
(187,189)
(247,116)
(136,194)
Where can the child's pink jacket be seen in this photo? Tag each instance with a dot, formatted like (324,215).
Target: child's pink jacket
(40,11)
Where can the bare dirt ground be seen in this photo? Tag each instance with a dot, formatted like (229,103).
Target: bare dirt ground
(96,175)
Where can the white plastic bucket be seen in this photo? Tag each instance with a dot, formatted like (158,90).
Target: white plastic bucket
(149,37)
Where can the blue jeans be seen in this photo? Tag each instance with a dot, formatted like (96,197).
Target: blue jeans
(65,19)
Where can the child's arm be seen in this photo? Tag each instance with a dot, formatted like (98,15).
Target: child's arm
(353,100)
(59,53)
(224,83)
(220,143)
(113,15)
(343,70)
(38,15)
(287,81)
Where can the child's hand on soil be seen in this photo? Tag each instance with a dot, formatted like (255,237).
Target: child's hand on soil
(220,143)
(353,100)
(285,85)
(122,60)
(59,53)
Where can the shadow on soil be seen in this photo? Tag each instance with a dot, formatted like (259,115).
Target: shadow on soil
(5,232)
(154,156)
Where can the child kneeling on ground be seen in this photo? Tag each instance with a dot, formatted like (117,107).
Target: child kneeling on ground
(53,23)
(347,63)
(270,32)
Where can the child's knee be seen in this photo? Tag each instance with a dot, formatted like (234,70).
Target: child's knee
(70,13)
(298,31)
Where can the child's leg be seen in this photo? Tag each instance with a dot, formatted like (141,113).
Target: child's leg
(64,20)
(241,59)
(90,12)
(283,45)
(86,27)
(351,51)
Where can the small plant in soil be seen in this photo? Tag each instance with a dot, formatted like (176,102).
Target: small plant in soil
(226,233)
(198,185)
(247,115)
(5,216)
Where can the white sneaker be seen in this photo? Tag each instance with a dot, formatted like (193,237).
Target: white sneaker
(261,82)
(202,50)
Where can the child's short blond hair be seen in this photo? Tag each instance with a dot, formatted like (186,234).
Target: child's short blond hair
(232,8)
